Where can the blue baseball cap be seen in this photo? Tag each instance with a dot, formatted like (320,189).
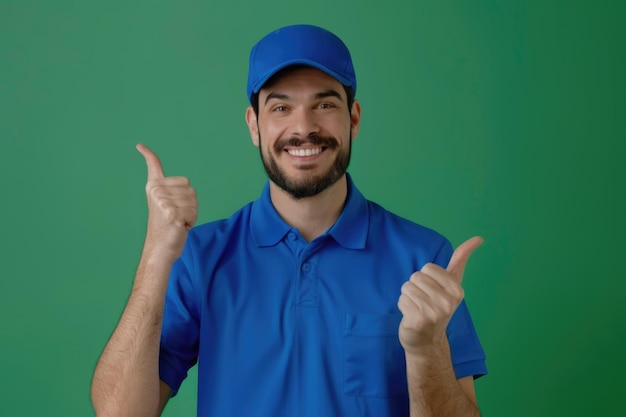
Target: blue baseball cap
(299,45)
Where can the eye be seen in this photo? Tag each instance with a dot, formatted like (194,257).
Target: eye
(279,108)
(326,106)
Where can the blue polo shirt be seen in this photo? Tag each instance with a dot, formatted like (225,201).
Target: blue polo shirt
(282,327)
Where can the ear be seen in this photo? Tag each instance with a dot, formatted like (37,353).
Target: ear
(253,126)
(355,119)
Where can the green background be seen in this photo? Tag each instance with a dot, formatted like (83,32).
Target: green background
(499,118)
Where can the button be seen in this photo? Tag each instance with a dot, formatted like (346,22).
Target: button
(292,236)
(306,267)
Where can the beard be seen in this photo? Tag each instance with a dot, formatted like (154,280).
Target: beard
(312,185)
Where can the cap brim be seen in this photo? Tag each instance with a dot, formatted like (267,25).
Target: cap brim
(261,82)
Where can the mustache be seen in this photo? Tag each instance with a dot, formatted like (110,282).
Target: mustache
(326,141)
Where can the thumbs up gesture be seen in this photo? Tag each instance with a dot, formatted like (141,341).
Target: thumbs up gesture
(172,210)
(428,300)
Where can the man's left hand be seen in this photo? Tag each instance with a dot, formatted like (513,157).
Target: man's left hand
(428,300)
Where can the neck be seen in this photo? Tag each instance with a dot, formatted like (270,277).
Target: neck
(312,216)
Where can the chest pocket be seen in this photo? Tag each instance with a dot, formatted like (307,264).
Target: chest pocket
(374,363)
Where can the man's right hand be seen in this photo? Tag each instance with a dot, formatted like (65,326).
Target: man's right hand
(173,210)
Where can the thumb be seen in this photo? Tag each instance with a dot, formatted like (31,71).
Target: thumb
(461,255)
(155,169)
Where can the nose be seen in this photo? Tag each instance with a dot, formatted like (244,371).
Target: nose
(304,123)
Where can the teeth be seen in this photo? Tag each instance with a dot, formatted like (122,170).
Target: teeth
(304,152)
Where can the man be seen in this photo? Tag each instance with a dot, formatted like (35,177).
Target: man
(310,301)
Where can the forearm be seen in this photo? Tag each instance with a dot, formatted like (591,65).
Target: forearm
(434,390)
(126,379)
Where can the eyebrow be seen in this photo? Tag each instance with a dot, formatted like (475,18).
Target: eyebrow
(320,95)
(276,96)
(328,93)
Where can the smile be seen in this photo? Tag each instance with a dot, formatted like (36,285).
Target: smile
(304,152)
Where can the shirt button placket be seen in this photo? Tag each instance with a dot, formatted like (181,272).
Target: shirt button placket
(308,283)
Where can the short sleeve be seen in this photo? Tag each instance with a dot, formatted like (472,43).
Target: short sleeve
(181,321)
(468,356)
